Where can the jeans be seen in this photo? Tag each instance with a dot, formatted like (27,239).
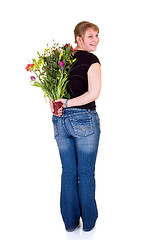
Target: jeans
(77,134)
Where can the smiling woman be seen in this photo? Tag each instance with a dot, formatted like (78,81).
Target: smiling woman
(77,132)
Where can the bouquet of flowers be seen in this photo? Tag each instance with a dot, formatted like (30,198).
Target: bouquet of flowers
(51,70)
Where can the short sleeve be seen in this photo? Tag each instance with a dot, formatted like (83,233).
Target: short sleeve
(92,59)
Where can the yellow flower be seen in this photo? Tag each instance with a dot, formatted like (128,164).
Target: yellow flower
(40,62)
(35,66)
(69,61)
(60,56)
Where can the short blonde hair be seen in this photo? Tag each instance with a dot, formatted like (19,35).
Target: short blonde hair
(81,28)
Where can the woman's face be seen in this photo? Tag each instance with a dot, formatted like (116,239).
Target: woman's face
(89,41)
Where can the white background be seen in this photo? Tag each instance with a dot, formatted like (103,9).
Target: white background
(127,169)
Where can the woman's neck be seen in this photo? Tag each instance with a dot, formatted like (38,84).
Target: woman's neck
(79,48)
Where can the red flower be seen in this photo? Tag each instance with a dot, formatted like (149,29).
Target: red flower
(29,66)
(66,45)
(72,49)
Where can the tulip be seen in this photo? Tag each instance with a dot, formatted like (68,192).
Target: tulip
(32,78)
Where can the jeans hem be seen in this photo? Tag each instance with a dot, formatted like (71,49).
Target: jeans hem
(72,229)
(88,229)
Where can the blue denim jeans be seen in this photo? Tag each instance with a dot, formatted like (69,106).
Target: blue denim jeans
(77,134)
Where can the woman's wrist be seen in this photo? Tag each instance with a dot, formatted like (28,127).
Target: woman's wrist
(66,103)
(69,103)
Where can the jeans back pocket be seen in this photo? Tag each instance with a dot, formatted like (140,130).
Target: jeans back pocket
(82,127)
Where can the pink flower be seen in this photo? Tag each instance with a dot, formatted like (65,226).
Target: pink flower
(61,63)
(32,77)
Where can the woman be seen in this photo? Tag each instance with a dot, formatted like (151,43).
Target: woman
(77,131)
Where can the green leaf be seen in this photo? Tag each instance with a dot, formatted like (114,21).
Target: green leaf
(68,49)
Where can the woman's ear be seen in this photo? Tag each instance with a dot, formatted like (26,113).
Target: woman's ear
(79,40)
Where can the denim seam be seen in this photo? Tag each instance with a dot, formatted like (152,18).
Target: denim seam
(56,133)
(63,122)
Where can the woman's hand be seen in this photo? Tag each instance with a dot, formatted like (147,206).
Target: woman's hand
(60,110)
(62,100)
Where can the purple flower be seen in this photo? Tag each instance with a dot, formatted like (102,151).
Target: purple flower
(32,78)
(61,63)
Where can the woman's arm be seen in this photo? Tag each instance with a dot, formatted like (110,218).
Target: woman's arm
(94,88)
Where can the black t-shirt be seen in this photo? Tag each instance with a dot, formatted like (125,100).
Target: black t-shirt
(78,78)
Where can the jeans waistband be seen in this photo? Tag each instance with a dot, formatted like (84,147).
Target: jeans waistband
(75,111)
